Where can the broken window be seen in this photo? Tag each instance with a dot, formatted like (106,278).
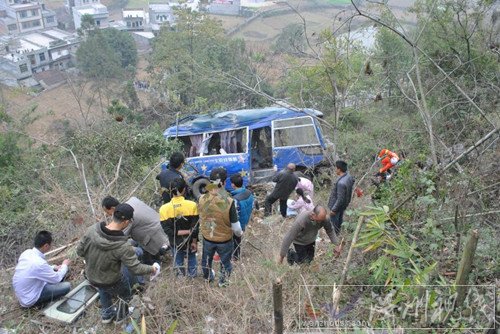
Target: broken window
(295,132)
(225,142)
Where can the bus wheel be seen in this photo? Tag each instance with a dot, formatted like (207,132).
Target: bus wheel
(199,187)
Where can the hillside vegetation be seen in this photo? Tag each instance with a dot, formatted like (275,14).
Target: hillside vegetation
(430,92)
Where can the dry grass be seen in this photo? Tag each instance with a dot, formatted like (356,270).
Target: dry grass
(245,306)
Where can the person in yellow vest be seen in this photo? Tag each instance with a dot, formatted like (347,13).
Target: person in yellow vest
(218,220)
(179,219)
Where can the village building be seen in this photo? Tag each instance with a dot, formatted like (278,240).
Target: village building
(135,18)
(22,56)
(21,16)
(98,11)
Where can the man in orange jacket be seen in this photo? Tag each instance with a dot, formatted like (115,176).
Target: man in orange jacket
(389,160)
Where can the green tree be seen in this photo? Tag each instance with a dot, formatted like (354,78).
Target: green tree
(123,44)
(291,40)
(87,24)
(97,60)
(195,60)
(105,54)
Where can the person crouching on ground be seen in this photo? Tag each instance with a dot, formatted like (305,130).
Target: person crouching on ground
(106,250)
(218,222)
(286,181)
(301,203)
(303,234)
(35,281)
(244,203)
(179,219)
(145,230)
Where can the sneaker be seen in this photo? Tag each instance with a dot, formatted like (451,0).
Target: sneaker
(107,319)
(223,284)
(216,257)
(211,276)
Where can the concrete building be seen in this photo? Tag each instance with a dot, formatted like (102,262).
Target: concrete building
(22,56)
(135,19)
(225,7)
(20,16)
(164,13)
(160,14)
(69,4)
(98,12)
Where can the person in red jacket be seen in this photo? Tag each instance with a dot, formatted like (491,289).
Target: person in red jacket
(389,160)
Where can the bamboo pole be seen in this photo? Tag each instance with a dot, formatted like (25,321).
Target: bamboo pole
(336,295)
(465,267)
(278,306)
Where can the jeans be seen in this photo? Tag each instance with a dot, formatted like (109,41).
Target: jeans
(120,289)
(225,251)
(179,256)
(337,220)
(270,201)
(51,292)
(302,254)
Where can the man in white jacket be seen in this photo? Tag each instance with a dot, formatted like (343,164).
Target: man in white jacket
(35,281)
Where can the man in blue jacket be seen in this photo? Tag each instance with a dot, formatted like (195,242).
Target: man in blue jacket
(244,204)
(341,195)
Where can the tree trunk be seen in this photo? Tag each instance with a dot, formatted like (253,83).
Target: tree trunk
(422,103)
(278,306)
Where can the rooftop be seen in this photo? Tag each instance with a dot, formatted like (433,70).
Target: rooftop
(160,7)
(133,13)
(145,34)
(92,9)
(38,39)
(20,6)
(59,34)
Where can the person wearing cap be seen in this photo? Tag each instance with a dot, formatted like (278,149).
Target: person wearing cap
(106,251)
(218,222)
(146,229)
(35,281)
(286,181)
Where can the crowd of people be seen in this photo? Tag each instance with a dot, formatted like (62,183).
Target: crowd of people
(126,248)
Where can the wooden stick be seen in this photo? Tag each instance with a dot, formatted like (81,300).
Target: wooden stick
(470,149)
(278,306)
(473,215)
(57,250)
(457,232)
(343,276)
(465,267)
(87,190)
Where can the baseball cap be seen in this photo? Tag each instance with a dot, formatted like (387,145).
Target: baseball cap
(124,212)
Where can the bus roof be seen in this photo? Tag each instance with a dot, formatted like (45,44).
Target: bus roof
(226,120)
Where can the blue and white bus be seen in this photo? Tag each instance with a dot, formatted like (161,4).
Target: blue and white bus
(252,142)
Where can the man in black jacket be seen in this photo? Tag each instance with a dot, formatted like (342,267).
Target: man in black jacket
(167,176)
(286,181)
(341,194)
